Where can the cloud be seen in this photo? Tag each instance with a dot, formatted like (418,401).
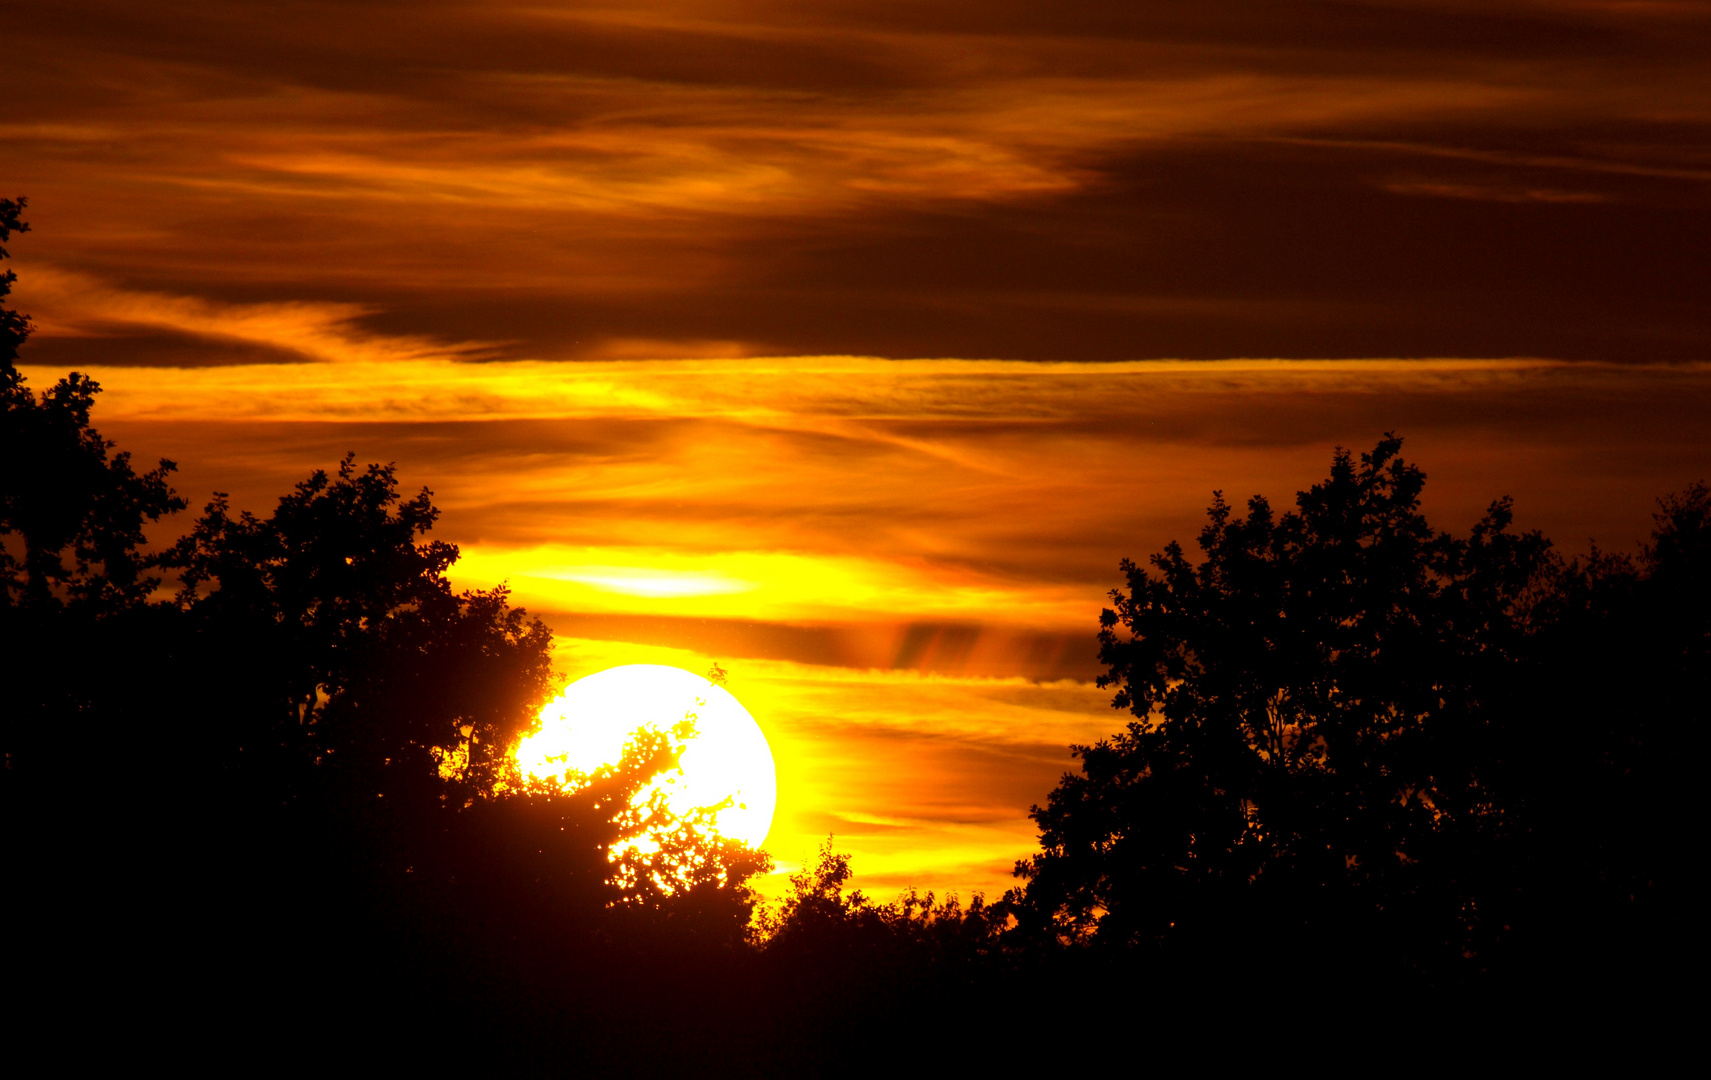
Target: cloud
(833,395)
(76,309)
(1431,189)
(1101,181)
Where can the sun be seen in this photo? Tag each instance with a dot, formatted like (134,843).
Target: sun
(728,757)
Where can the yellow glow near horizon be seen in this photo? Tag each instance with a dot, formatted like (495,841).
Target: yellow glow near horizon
(649,582)
(759,585)
(726,756)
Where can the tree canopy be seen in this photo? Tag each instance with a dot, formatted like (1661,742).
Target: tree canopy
(72,515)
(1342,743)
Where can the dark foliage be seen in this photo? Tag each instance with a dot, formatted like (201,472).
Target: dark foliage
(349,651)
(75,576)
(14,326)
(1600,761)
(1365,750)
(818,923)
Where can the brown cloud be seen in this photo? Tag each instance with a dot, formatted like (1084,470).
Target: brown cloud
(1095,181)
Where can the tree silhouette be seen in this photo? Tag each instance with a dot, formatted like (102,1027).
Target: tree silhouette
(818,920)
(386,699)
(553,857)
(61,494)
(14,327)
(348,646)
(1313,705)
(1602,755)
(75,576)
(316,727)
(1360,747)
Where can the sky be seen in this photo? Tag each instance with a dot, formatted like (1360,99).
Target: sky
(851,345)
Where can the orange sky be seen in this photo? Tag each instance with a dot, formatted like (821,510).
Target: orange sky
(642,291)
(901,563)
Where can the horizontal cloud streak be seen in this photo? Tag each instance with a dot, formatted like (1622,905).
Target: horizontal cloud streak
(790,392)
(67,304)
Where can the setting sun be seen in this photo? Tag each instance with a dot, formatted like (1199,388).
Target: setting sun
(725,755)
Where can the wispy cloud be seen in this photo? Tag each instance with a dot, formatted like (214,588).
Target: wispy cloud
(68,304)
(1100,181)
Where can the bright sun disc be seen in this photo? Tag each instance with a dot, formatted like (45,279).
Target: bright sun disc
(586,727)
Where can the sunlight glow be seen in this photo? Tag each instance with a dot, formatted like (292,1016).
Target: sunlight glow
(760,585)
(645,581)
(726,757)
